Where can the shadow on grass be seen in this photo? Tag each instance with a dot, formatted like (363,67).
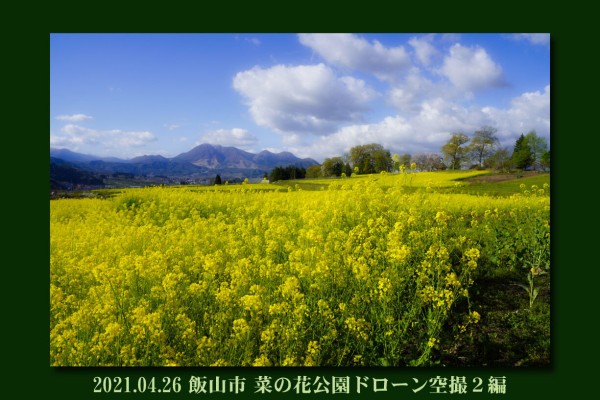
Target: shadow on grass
(510,333)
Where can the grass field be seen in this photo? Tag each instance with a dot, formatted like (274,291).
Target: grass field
(412,269)
(507,185)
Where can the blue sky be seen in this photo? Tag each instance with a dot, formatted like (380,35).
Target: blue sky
(316,95)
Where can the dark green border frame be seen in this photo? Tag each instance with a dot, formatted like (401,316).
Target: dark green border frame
(26,299)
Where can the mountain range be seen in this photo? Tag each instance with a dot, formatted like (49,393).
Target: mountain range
(200,163)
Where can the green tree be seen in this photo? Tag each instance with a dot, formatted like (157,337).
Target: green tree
(538,146)
(286,173)
(314,171)
(482,144)
(405,160)
(522,157)
(545,159)
(333,166)
(371,158)
(218,179)
(399,160)
(499,160)
(382,161)
(347,169)
(454,151)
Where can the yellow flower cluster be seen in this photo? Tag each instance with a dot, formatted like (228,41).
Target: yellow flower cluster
(252,276)
(358,328)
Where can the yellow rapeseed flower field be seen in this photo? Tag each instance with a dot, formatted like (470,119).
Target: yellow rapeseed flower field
(362,272)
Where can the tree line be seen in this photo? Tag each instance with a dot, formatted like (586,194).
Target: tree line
(364,159)
(481,150)
(287,173)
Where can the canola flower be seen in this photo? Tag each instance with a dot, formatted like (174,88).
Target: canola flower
(239,277)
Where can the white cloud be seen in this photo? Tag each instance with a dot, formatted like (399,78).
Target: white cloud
(72,143)
(306,99)
(541,39)
(129,139)
(467,69)
(531,110)
(471,68)
(73,117)
(395,133)
(235,137)
(407,95)
(351,51)
(429,128)
(111,142)
(424,50)
(534,102)
(430,102)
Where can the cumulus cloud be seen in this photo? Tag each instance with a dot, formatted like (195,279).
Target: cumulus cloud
(353,135)
(428,129)
(235,137)
(73,117)
(424,50)
(531,110)
(72,143)
(322,114)
(471,68)
(394,132)
(76,137)
(541,39)
(406,95)
(534,102)
(351,51)
(302,99)
(455,78)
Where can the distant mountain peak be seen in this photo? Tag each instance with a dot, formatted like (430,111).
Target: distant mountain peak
(203,159)
(218,156)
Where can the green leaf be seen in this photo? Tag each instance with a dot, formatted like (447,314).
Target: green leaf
(526,288)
